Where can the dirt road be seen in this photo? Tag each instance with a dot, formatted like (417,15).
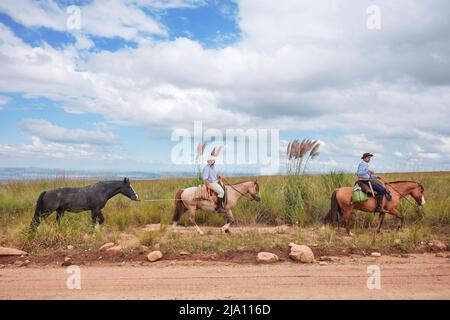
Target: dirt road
(417,277)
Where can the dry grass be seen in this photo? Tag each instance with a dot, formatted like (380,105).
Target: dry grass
(17,201)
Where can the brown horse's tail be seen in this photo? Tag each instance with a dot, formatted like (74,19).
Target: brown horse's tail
(180,208)
(335,211)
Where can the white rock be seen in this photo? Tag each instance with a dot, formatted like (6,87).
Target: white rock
(439,244)
(67,262)
(11,252)
(113,251)
(107,246)
(301,253)
(267,257)
(70,247)
(375,254)
(184,253)
(154,256)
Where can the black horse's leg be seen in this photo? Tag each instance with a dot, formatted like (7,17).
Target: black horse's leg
(59,215)
(94,217)
(100,216)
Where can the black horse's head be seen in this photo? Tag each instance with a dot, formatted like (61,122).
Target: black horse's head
(128,191)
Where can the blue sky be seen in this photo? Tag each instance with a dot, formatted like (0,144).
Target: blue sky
(110,94)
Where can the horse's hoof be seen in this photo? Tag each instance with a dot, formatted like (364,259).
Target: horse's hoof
(350,234)
(227,231)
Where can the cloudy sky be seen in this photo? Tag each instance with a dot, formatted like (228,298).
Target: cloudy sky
(106,91)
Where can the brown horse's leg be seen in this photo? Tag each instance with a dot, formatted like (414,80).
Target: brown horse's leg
(347,214)
(192,219)
(230,221)
(380,221)
(400,216)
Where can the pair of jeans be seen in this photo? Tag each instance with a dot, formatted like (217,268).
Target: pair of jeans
(377,187)
(217,189)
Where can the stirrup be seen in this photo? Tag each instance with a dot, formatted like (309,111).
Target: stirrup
(382,210)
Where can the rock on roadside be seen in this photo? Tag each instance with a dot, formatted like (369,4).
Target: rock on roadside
(106,246)
(11,252)
(439,245)
(113,251)
(301,253)
(375,254)
(154,256)
(67,262)
(267,257)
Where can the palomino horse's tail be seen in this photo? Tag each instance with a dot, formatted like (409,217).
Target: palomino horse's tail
(335,211)
(38,211)
(180,208)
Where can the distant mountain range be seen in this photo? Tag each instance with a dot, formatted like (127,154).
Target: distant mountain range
(8,174)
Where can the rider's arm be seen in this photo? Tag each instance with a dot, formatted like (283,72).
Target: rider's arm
(205,176)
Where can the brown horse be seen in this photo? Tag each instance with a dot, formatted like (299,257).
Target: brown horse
(185,201)
(341,203)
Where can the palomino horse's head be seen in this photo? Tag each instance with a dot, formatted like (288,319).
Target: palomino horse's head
(418,194)
(254,191)
(128,191)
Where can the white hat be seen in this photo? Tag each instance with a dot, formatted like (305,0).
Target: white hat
(211,158)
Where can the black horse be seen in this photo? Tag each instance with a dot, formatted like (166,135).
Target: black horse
(93,197)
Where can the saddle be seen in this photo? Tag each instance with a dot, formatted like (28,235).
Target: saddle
(366,189)
(203,193)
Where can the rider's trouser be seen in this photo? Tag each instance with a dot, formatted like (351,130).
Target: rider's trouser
(378,188)
(217,189)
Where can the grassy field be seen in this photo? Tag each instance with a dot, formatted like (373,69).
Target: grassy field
(124,217)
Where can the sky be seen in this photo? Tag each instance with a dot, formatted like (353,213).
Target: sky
(103,85)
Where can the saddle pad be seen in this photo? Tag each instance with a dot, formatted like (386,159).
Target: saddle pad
(201,193)
(358,195)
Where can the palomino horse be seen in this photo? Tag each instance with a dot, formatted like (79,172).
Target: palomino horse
(341,203)
(93,197)
(185,201)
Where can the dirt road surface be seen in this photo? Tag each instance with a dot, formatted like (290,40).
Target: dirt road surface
(416,277)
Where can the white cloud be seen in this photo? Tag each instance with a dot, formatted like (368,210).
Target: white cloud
(299,66)
(4,101)
(37,148)
(50,132)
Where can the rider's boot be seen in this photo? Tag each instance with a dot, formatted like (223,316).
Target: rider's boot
(380,207)
(220,207)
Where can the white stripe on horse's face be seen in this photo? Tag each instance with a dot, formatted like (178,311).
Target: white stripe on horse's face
(423,201)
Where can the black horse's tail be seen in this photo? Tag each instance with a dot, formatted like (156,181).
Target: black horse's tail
(180,208)
(38,211)
(335,211)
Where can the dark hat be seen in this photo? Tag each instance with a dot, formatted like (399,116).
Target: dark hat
(366,155)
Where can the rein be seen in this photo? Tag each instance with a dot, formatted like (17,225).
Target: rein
(232,187)
(402,196)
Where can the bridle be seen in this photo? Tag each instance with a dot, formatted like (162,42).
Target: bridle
(244,195)
(401,195)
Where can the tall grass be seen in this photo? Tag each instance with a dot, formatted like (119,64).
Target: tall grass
(297,193)
(294,199)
